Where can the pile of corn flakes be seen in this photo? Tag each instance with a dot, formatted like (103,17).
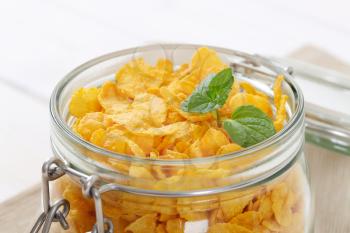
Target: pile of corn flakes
(139,114)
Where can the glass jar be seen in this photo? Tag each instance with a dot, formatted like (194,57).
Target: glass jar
(263,188)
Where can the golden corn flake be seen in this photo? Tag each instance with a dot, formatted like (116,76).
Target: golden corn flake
(281,114)
(277,90)
(248,88)
(161,229)
(177,129)
(265,207)
(140,172)
(170,154)
(250,99)
(175,225)
(228,148)
(228,228)
(137,76)
(166,207)
(282,204)
(206,61)
(146,143)
(226,110)
(194,117)
(152,108)
(212,140)
(147,223)
(280,103)
(194,150)
(272,225)
(83,101)
(111,99)
(249,219)
(184,86)
(165,65)
(231,208)
(91,122)
(98,137)
(116,141)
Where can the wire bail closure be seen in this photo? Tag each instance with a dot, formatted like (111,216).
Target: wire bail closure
(92,192)
(58,212)
(51,170)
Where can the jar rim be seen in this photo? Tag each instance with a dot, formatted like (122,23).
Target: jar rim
(61,124)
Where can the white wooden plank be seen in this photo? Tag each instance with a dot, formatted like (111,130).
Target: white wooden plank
(24,140)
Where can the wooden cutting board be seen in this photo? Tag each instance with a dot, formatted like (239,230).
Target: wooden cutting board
(19,213)
(329,173)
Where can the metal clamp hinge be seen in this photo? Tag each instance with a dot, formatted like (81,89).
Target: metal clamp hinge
(52,170)
(103,225)
(57,212)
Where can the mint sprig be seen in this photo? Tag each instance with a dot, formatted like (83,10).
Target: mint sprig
(211,94)
(249,126)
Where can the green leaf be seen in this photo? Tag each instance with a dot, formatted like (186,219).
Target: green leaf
(249,126)
(210,94)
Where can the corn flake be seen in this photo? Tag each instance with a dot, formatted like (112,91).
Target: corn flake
(228,228)
(228,148)
(83,101)
(175,226)
(212,140)
(282,204)
(281,114)
(111,99)
(146,223)
(249,99)
(206,61)
(277,90)
(137,76)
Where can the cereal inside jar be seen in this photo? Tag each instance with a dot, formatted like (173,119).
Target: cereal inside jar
(201,140)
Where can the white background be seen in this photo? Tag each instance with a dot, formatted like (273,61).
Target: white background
(40,41)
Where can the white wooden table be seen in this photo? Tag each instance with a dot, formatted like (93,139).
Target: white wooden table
(40,41)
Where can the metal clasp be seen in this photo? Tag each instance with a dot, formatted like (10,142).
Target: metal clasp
(51,170)
(103,225)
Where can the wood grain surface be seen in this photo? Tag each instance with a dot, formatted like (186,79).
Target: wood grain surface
(19,213)
(329,171)
(329,174)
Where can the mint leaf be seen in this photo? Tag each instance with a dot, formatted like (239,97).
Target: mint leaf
(249,126)
(220,86)
(210,94)
(198,102)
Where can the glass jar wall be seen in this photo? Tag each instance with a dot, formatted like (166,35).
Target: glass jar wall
(263,188)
